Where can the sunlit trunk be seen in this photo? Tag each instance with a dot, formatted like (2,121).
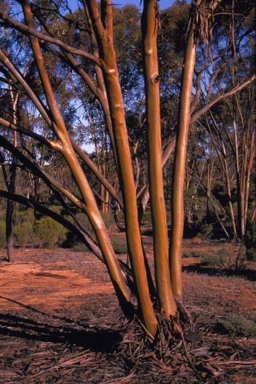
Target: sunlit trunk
(64,145)
(179,166)
(158,212)
(195,32)
(103,31)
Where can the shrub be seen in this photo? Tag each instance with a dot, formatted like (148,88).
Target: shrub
(119,244)
(250,240)
(209,259)
(84,221)
(239,325)
(79,247)
(49,232)
(23,216)
(201,254)
(233,259)
(206,230)
(147,220)
(2,234)
(22,234)
(56,208)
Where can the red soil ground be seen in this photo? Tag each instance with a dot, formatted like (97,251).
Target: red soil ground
(60,322)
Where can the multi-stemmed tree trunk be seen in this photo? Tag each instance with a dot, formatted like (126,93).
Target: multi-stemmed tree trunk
(155,298)
(103,27)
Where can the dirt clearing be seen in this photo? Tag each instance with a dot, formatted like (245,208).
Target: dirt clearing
(60,323)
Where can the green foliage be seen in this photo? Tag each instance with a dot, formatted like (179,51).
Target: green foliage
(206,230)
(119,244)
(202,254)
(23,234)
(235,259)
(2,212)
(71,240)
(128,35)
(84,221)
(147,217)
(231,258)
(2,234)
(48,232)
(22,215)
(250,240)
(56,208)
(79,247)
(213,260)
(239,325)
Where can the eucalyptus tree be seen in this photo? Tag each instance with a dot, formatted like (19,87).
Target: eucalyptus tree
(84,52)
(10,108)
(225,97)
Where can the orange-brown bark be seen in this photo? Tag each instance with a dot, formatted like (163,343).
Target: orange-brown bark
(158,212)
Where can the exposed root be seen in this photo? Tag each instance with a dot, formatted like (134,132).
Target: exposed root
(138,345)
(185,316)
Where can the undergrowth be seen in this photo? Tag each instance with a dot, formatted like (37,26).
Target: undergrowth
(239,325)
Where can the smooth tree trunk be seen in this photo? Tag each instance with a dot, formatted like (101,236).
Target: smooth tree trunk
(105,86)
(198,29)
(158,211)
(102,25)
(177,221)
(64,145)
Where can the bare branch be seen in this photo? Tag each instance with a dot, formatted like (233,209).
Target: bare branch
(238,88)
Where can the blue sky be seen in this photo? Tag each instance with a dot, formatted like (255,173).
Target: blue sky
(162,3)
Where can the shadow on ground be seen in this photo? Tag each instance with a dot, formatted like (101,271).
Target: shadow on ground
(203,269)
(41,326)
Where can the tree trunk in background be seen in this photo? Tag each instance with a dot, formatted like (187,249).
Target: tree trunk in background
(9,214)
(11,186)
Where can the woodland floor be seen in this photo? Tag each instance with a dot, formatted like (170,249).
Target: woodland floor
(60,323)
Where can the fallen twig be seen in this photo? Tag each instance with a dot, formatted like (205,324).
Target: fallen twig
(238,362)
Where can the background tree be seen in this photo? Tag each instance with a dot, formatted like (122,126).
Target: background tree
(224,95)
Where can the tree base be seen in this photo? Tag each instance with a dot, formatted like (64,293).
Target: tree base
(169,342)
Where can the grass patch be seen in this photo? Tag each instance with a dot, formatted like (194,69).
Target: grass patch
(239,325)
(211,260)
(215,259)
(200,254)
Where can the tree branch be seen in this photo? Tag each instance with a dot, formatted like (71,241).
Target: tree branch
(6,19)
(238,88)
